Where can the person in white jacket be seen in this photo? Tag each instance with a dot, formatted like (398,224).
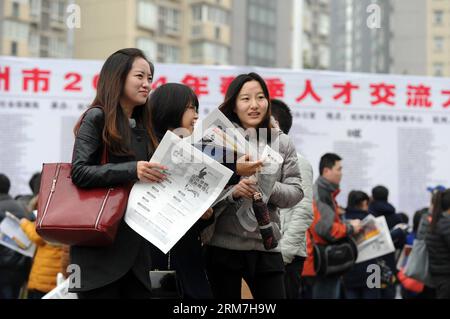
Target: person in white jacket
(295,221)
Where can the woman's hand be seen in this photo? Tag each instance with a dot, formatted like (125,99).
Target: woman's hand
(207,214)
(150,172)
(246,168)
(246,188)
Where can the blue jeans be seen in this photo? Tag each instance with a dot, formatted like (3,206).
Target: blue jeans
(327,288)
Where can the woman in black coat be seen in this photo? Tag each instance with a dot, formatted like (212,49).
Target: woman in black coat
(438,244)
(118,121)
(174,107)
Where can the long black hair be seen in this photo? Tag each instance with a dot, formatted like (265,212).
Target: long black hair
(167,105)
(110,87)
(441,203)
(229,104)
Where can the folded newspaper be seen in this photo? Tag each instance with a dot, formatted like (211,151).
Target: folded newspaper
(13,237)
(380,245)
(61,291)
(217,137)
(369,231)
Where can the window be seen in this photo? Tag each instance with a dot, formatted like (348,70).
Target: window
(148,46)
(324,24)
(196,31)
(217,33)
(219,53)
(16,31)
(168,53)
(57,48)
(58,10)
(147,15)
(197,13)
(170,18)
(33,42)
(35,9)
(438,17)
(438,69)
(14,48)
(438,44)
(15,10)
(217,15)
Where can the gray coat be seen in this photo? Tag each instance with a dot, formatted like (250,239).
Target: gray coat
(287,191)
(295,221)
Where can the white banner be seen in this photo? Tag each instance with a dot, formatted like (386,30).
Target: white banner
(390,130)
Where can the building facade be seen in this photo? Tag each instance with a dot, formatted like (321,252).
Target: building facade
(35,28)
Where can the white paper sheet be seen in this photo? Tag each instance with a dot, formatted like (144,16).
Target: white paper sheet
(381,246)
(13,237)
(61,291)
(163,212)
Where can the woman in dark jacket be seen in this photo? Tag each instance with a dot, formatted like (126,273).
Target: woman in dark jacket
(118,121)
(355,281)
(438,244)
(174,107)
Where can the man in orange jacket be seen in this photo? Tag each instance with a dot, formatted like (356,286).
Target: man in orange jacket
(327,226)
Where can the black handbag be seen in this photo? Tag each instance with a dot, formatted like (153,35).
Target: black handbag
(165,283)
(334,259)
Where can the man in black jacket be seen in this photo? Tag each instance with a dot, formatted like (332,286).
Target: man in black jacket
(14,267)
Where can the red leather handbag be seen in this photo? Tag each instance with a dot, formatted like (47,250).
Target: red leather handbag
(71,215)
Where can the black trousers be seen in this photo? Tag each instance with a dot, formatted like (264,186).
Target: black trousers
(127,287)
(263,272)
(443,288)
(292,277)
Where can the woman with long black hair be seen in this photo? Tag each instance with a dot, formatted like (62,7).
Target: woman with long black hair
(438,244)
(235,252)
(119,121)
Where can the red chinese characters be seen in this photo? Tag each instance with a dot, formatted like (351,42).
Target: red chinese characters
(225,82)
(419,96)
(446,104)
(35,77)
(309,91)
(382,93)
(160,81)
(198,84)
(275,87)
(345,91)
(4,79)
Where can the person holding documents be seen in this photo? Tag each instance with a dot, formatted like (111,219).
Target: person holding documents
(355,281)
(122,125)
(14,267)
(174,107)
(234,252)
(50,259)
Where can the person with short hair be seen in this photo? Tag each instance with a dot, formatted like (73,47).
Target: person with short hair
(296,220)
(327,226)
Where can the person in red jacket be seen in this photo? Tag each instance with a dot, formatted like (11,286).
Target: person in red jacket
(327,226)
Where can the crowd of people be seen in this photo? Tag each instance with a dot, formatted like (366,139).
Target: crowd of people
(213,258)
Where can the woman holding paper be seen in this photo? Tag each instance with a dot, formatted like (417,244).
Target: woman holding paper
(174,107)
(118,120)
(235,251)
